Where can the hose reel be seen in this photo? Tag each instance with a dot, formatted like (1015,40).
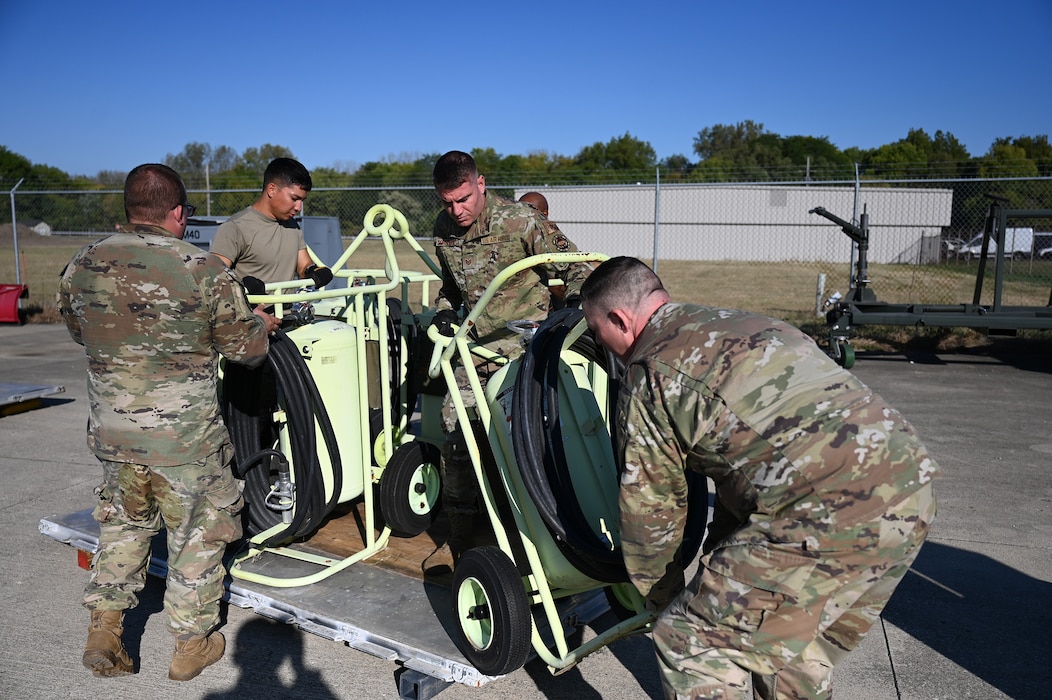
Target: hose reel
(250,397)
(537,443)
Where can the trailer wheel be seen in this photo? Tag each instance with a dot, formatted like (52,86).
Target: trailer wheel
(492,612)
(846,356)
(411,488)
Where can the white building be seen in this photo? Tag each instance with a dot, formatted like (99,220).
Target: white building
(749,222)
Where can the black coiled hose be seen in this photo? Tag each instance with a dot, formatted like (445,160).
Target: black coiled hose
(249,399)
(537,443)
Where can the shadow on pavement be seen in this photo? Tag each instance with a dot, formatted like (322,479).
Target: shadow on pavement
(269,658)
(1030,356)
(987,618)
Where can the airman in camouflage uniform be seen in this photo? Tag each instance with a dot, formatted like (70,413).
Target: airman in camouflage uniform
(823,491)
(478,235)
(153,314)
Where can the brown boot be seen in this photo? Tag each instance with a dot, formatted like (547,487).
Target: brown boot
(104,653)
(193,655)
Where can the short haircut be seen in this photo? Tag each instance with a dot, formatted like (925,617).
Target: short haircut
(151,191)
(620,283)
(286,172)
(454,169)
(536,200)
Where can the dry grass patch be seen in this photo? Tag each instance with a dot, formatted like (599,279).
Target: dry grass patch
(781,290)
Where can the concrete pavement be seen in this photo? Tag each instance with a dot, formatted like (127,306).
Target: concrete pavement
(970,620)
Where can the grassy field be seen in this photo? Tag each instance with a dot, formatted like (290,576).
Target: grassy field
(781,290)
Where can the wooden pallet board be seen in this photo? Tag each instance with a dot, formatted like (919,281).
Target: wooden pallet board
(341,535)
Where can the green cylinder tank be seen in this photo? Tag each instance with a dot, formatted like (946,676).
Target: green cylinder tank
(330,350)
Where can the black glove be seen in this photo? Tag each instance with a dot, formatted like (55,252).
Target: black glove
(321,276)
(445,320)
(253,285)
(573,301)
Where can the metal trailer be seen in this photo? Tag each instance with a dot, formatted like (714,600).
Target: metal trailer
(354,606)
(861,306)
(16,397)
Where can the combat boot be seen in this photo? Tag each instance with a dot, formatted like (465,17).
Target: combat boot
(104,653)
(195,654)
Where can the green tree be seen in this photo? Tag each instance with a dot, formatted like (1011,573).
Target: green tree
(621,157)
(815,157)
(401,172)
(488,162)
(731,142)
(542,167)
(419,210)
(677,167)
(1035,148)
(111,179)
(624,152)
(13,167)
(256,160)
(198,162)
(948,157)
(902,159)
(1005,159)
(918,155)
(714,169)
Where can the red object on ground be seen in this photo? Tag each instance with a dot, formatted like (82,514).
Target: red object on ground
(9,296)
(84,559)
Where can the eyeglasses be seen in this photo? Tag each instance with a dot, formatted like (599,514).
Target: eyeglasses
(190,209)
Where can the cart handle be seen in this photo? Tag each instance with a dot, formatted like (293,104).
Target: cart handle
(503,276)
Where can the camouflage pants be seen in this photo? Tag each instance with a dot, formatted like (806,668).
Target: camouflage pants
(198,504)
(459,490)
(783,635)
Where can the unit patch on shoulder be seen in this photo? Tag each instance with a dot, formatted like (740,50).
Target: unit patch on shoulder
(561,242)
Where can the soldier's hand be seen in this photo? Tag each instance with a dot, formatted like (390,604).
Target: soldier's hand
(321,276)
(445,320)
(271,321)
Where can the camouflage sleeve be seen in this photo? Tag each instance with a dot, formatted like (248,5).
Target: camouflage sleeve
(546,237)
(653,495)
(64,300)
(237,333)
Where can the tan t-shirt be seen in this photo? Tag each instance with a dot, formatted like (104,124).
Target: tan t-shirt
(260,246)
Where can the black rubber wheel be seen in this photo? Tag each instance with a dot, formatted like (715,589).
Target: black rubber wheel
(492,611)
(410,488)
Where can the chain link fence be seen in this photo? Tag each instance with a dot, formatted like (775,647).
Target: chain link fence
(755,246)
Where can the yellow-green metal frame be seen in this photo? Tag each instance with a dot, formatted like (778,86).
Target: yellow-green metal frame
(459,348)
(389,225)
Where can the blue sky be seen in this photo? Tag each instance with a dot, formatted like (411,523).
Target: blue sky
(109,85)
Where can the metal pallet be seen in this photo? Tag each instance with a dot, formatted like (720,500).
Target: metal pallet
(354,607)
